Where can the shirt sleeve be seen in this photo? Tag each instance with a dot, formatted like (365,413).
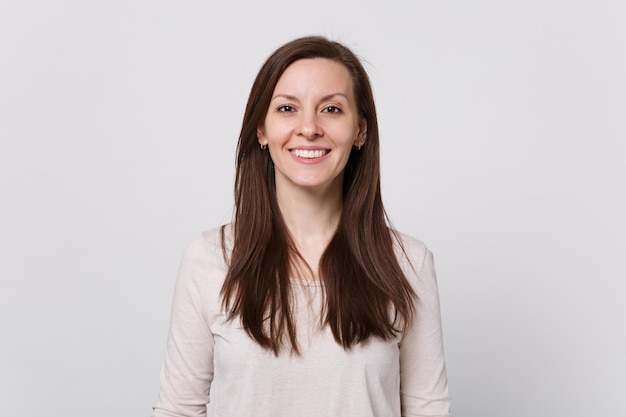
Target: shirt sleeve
(187,373)
(423,379)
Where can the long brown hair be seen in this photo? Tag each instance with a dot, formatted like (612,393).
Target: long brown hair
(366,292)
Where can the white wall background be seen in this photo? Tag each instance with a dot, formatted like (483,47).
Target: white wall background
(503,128)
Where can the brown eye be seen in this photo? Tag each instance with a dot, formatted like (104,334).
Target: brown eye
(332,109)
(285,109)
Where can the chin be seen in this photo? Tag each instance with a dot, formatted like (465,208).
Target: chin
(317,183)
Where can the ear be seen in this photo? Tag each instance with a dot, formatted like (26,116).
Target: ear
(362,133)
(260,134)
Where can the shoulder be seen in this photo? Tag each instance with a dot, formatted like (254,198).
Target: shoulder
(417,263)
(203,265)
(208,250)
(410,250)
(210,243)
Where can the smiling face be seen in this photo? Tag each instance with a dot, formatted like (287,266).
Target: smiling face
(311,125)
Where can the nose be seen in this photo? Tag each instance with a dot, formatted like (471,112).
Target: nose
(309,126)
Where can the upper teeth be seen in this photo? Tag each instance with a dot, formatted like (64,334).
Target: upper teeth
(309,153)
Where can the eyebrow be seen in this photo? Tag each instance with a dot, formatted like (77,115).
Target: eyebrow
(294,98)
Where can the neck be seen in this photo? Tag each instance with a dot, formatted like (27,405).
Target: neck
(310,214)
(311,217)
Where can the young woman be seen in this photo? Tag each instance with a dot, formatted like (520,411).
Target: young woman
(308,304)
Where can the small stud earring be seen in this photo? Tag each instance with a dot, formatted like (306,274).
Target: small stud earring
(361,143)
(263,146)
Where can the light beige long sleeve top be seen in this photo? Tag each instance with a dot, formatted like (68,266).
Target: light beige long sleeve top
(376,378)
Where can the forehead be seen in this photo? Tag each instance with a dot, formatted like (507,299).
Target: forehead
(315,75)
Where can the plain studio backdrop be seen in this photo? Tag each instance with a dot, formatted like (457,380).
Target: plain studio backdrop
(503,130)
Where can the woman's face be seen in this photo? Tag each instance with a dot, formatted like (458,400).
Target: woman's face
(311,125)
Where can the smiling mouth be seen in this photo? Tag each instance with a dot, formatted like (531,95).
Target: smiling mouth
(309,153)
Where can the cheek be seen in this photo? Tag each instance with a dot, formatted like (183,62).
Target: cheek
(349,139)
(276,134)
